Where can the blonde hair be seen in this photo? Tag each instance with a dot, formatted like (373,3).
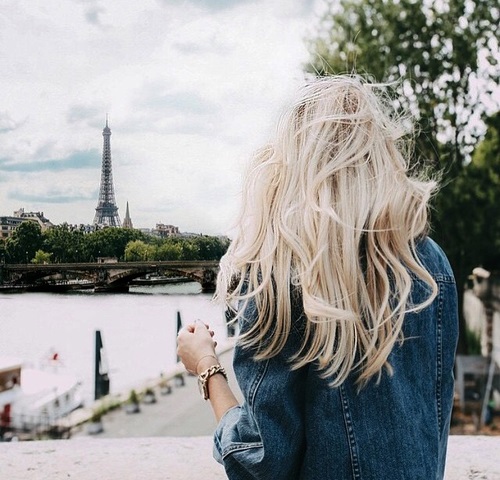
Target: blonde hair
(331,210)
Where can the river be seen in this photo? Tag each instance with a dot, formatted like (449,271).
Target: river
(138,329)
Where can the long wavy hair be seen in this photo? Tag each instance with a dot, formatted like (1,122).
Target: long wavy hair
(331,210)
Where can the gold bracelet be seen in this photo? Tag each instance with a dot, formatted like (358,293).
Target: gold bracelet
(204,356)
(204,377)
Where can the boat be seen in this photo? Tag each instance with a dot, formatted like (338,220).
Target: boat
(159,280)
(34,399)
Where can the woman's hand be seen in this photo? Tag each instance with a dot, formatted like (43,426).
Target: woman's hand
(196,347)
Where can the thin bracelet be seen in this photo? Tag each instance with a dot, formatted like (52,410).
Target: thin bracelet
(204,356)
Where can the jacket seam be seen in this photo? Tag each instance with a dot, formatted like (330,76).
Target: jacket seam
(439,359)
(236,447)
(353,450)
(439,277)
(252,393)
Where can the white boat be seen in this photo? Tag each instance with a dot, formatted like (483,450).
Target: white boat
(31,398)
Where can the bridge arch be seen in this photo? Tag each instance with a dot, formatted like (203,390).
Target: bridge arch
(108,276)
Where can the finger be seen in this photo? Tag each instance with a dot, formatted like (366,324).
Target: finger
(185,332)
(190,327)
(200,322)
(201,327)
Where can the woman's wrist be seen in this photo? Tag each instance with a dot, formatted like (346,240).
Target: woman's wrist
(205,362)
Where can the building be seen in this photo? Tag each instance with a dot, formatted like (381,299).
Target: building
(164,231)
(127,221)
(9,224)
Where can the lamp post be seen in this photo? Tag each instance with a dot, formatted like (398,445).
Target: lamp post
(26,258)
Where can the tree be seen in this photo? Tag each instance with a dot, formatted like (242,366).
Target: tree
(24,242)
(41,257)
(64,242)
(109,242)
(190,250)
(210,248)
(137,251)
(443,57)
(168,251)
(432,49)
(482,188)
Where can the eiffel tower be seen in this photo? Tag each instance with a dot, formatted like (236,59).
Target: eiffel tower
(106,212)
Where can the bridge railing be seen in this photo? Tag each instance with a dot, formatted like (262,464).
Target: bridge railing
(173,264)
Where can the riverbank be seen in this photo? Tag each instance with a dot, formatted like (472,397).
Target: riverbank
(182,412)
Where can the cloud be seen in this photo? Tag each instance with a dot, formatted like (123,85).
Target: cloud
(77,160)
(93,11)
(92,15)
(211,5)
(7,123)
(84,113)
(51,196)
(297,9)
(170,111)
(185,102)
(192,48)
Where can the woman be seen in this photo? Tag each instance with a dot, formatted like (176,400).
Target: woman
(347,311)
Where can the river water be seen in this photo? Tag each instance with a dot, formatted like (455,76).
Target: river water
(138,329)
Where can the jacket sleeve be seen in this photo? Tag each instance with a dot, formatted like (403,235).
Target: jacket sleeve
(264,437)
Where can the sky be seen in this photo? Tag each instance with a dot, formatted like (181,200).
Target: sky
(191,88)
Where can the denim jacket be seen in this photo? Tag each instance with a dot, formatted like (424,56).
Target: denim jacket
(293,425)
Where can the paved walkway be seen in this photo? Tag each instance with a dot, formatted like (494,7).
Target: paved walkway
(181,413)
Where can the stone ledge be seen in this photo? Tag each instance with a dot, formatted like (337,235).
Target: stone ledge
(185,458)
(179,458)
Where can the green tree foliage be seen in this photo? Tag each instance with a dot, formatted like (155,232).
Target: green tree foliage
(169,250)
(24,242)
(210,248)
(65,243)
(137,251)
(432,49)
(177,248)
(479,193)
(110,242)
(465,212)
(443,57)
(190,250)
(41,257)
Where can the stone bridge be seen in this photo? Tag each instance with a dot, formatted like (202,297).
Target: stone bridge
(112,276)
